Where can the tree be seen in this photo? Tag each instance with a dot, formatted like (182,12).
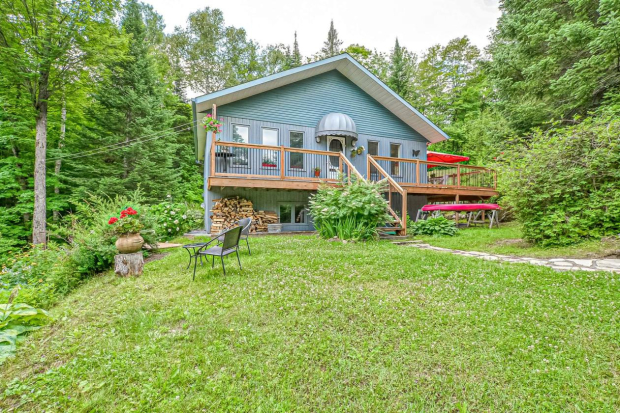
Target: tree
(42,45)
(554,60)
(133,118)
(296,57)
(331,46)
(214,56)
(374,61)
(400,71)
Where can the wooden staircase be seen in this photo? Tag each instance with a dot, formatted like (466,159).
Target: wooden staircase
(396,197)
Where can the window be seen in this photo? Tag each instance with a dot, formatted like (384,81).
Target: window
(395,153)
(373,148)
(270,157)
(292,213)
(270,137)
(296,159)
(241,134)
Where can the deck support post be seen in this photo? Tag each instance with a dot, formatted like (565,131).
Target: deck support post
(214,116)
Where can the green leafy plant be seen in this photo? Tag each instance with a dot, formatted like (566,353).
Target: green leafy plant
(350,212)
(172,219)
(15,321)
(564,185)
(434,226)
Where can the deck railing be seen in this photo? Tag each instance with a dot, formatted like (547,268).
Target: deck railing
(395,194)
(246,160)
(415,172)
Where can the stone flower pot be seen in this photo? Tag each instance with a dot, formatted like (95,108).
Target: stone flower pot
(129,243)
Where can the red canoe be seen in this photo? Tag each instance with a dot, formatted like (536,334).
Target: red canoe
(445,157)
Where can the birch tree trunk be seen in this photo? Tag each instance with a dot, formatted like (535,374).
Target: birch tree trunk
(61,144)
(39,224)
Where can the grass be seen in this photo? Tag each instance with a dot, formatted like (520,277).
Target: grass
(310,325)
(507,240)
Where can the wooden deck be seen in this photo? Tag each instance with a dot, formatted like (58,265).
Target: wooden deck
(277,167)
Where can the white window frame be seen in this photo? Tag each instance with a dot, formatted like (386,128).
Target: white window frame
(400,153)
(293,204)
(262,137)
(232,132)
(303,145)
(263,128)
(378,146)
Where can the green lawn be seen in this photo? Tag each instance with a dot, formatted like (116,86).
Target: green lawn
(311,325)
(507,240)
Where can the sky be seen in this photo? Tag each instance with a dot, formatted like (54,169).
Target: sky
(418,24)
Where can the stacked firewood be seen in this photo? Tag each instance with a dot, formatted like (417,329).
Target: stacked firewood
(227,211)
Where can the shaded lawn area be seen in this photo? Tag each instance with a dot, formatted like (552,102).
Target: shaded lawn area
(507,240)
(311,325)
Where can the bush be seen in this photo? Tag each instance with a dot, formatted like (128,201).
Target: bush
(564,184)
(350,212)
(83,245)
(435,226)
(173,219)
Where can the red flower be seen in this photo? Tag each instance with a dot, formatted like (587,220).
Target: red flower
(112,220)
(131,211)
(123,214)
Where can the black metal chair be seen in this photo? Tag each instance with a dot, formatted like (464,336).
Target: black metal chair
(245,225)
(229,245)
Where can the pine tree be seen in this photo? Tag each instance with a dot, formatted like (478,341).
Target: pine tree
(331,47)
(296,57)
(133,111)
(400,71)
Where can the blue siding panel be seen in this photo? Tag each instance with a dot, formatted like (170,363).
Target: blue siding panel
(304,103)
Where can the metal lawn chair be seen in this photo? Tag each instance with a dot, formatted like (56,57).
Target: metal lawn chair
(229,245)
(245,225)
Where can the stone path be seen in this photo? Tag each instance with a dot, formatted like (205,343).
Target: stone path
(558,264)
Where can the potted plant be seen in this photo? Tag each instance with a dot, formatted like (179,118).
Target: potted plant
(269,162)
(353,153)
(317,172)
(127,227)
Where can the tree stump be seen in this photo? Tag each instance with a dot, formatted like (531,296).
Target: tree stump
(127,265)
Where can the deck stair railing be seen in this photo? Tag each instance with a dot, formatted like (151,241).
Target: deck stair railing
(395,195)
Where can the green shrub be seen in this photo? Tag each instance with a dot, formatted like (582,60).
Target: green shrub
(173,219)
(435,226)
(564,184)
(350,212)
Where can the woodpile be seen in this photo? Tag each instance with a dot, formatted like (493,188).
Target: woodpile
(227,211)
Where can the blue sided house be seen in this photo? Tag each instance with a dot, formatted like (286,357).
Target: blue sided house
(285,134)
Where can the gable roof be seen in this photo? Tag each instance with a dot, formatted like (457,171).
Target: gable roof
(351,69)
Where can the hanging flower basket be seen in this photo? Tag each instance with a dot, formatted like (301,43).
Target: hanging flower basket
(211,124)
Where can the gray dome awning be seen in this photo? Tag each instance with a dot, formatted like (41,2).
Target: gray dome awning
(336,124)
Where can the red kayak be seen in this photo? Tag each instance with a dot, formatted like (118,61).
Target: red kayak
(461,207)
